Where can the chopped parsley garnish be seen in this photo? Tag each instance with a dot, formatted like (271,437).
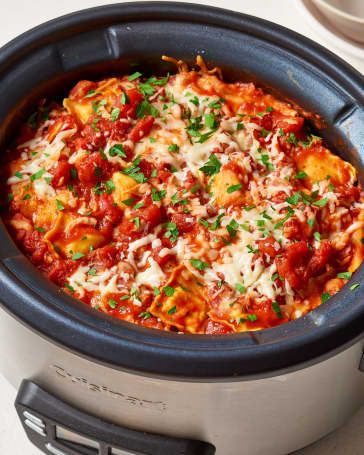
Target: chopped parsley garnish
(112,303)
(294,199)
(109,186)
(195,101)
(269,109)
(19,175)
(117,149)
(173,148)
(214,105)
(195,188)
(300,175)
(90,94)
(240,288)
(69,287)
(232,228)
(95,121)
(139,205)
(125,297)
(264,133)
(265,160)
(251,317)
(39,229)
(169,291)
(325,297)
(129,202)
(172,232)
(317,236)
(344,275)
(59,204)
(92,272)
(145,108)
(320,203)
(74,173)
(198,264)
(156,291)
(37,175)
(277,309)
(134,171)
(97,104)
(134,76)
(290,212)
(172,310)
(291,139)
(311,222)
(240,126)
(233,188)
(124,99)
(145,315)
(210,121)
(26,197)
(212,166)
(354,286)
(152,140)
(115,114)
(136,222)
(251,249)
(77,256)
(158,195)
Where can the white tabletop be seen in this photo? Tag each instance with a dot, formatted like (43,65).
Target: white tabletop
(17,16)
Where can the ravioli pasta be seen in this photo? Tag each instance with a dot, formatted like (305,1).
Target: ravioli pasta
(183,203)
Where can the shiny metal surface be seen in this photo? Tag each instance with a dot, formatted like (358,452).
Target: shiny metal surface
(290,410)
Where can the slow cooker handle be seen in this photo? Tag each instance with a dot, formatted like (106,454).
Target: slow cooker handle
(58,428)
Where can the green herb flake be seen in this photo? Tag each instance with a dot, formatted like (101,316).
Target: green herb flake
(92,272)
(233,188)
(117,149)
(317,236)
(115,114)
(26,197)
(59,204)
(169,291)
(212,166)
(136,222)
(311,222)
(39,229)
(77,256)
(173,148)
(252,317)
(199,265)
(158,195)
(300,175)
(124,99)
(69,287)
(37,175)
(156,291)
(19,175)
(344,275)
(320,203)
(240,288)
(110,186)
(172,232)
(325,297)
(129,202)
(134,76)
(112,303)
(172,310)
(232,228)
(277,309)
(354,286)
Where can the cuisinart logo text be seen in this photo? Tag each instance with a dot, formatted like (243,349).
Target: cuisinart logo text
(130,400)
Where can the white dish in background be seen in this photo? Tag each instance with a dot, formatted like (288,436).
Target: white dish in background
(345,15)
(317,20)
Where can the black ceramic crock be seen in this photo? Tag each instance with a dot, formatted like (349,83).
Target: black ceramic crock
(117,39)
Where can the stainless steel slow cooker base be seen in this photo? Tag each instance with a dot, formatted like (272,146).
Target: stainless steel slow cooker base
(273,416)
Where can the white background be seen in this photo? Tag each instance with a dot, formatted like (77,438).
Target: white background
(17,16)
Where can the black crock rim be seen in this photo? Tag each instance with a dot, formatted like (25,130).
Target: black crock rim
(40,305)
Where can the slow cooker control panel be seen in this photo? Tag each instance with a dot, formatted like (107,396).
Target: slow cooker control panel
(58,428)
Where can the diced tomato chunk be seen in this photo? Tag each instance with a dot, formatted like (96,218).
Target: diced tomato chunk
(105,257)
(269,246)
(81,89)
(61,174)
(141,129)
(60,270)
(291,265)
(134,97)
(92,168)
(320,258)
(287,123)
(216,328)
(184,221)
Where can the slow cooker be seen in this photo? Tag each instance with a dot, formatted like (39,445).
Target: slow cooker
(92,385)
